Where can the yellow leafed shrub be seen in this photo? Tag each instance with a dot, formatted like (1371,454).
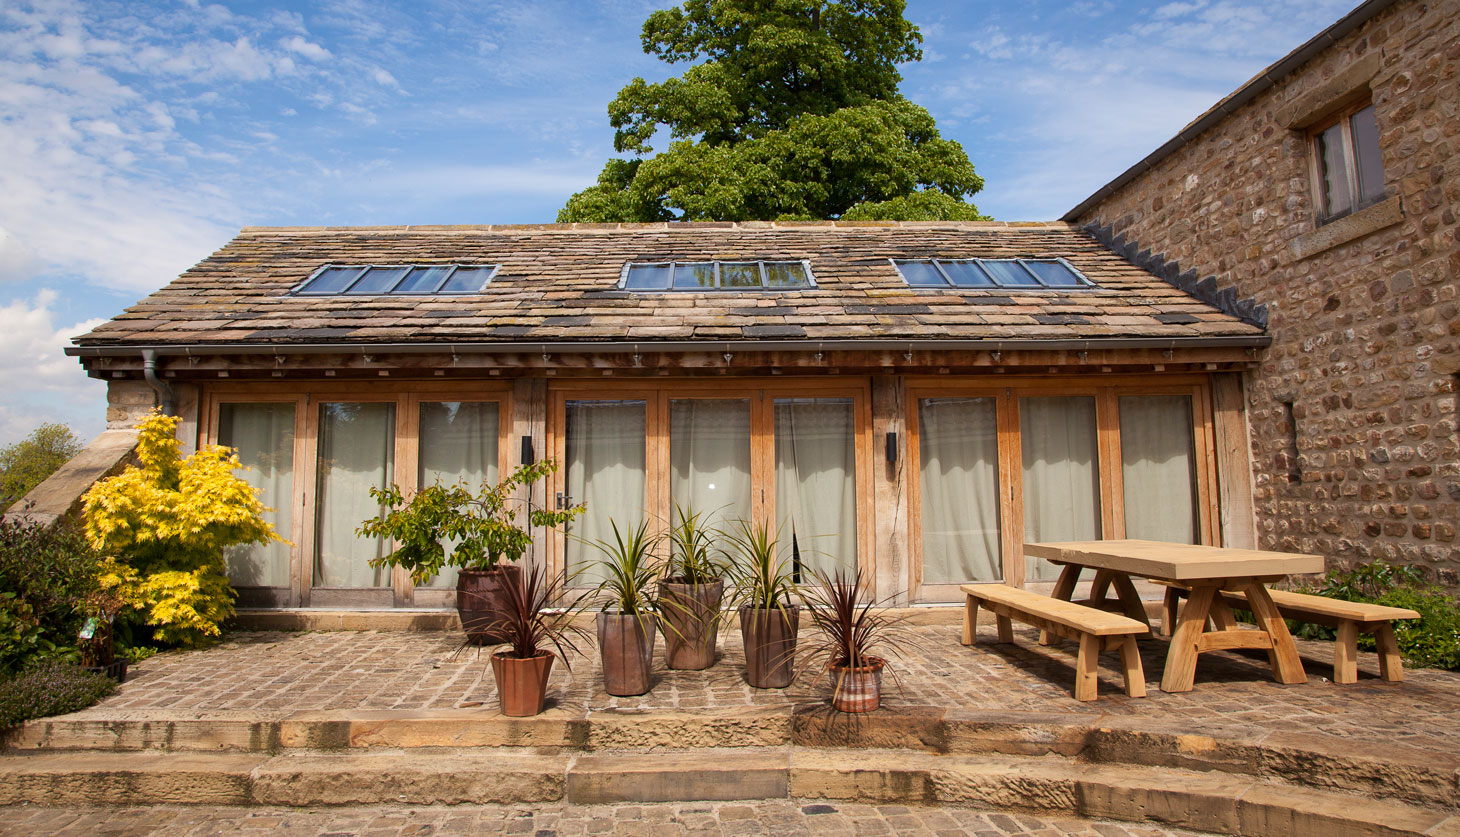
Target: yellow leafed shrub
(164,526)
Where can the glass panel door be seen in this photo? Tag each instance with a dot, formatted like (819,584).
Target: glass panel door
(958,440)
(263,436)
(356,453)
(1061,475)
(458,444)
(816,482)
(1158,465)
(709,457)
(605,462)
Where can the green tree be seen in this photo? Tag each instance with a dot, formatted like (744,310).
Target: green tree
(792,113)
(25,464)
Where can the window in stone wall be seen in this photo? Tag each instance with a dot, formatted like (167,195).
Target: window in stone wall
(1348,168)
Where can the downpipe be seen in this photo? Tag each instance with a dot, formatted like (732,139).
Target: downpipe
(161,387)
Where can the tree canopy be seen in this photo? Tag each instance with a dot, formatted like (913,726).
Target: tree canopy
(25,464)
(792,112)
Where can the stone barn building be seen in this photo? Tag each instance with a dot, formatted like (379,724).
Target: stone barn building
(1326,189)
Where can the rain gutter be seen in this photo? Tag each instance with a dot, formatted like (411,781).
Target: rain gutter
(632,347)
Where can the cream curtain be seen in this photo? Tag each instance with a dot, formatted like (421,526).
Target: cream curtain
(816,490)
(263,436)
(958,441)
(356,453)
(1061,477)
(709,457)
(606,469)
(458,443)
(1158,465)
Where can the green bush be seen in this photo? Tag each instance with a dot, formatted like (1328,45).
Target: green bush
(46,573)
(52,688)
(1431,641)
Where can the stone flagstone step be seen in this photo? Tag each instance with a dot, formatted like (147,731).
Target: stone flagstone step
(1207,801)
(1395,771)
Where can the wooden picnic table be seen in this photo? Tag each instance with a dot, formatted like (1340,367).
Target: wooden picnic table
(1207,570)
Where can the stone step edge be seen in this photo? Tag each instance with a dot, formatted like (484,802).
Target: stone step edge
(1417,775)
(1212,802)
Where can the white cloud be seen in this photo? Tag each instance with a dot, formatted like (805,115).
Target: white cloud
(41,383)
(308,49)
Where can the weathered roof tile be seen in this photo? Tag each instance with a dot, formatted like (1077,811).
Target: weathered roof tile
(559,283)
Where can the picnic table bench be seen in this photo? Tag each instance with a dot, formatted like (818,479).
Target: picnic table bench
(1095,630)
(1349,618)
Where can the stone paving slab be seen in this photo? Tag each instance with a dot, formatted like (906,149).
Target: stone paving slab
(779,817)
(277,674)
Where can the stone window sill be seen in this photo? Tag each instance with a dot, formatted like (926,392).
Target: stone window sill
(1386,213)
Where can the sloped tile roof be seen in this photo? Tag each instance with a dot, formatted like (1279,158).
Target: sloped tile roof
(558,283)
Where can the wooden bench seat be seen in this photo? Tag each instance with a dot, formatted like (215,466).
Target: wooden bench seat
(1095,630)
(1349,618)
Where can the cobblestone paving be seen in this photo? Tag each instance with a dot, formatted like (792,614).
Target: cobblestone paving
(284,672)
(780,817)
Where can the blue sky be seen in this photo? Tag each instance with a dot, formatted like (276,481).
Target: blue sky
(137,137)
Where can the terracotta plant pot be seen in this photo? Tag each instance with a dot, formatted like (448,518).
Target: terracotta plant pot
(691,623)
(522,683)
(481,601)
(626,642)
(770,645)
(857,689)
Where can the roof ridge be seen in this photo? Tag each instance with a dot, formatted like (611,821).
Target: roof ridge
(663,226)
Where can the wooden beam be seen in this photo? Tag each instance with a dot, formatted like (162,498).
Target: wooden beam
(890,489)
(1234,463)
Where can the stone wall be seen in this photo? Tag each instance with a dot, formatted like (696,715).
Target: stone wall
(127,403)
(1361,379)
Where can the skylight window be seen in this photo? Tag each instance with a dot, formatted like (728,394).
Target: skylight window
(653,277)
(991,273)
(397,280)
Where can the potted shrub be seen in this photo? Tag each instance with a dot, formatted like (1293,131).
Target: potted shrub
(768,616)
(851,626)
(690,593)
(528,626)
(626,624)
(489,540)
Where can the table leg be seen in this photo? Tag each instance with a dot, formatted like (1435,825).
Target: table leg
(970,619)
(1130,601)
(1287,666)
(1064,588)
(1391,665)
(1180,673)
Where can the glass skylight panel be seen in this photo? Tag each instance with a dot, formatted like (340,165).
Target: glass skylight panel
(467,280)
(740,275)
(716,276)
(333,280)
(1053,273)
(990,273)
(921,274)
(378,280)
(648,277)
(397,280)
(786,275)
(965,273)
(694,276)
(1008,273)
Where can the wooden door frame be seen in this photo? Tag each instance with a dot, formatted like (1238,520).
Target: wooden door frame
(406,395)
(1106,391)
(762,393)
